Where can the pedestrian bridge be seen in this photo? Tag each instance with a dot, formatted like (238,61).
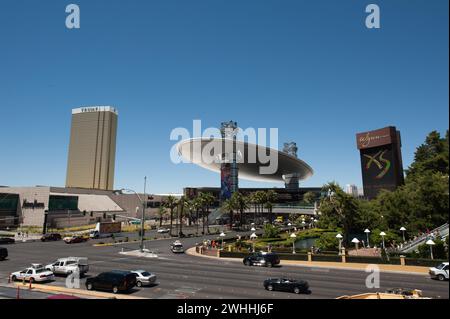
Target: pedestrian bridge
(277,209)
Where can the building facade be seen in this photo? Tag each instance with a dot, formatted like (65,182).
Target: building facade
(92,150)
(61,207)
(352,190)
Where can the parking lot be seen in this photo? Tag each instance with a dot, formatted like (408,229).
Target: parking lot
(181,276)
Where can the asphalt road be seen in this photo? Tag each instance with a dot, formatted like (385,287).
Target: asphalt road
(183,276)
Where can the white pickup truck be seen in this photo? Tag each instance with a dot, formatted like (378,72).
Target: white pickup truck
(69,265)
(439,272)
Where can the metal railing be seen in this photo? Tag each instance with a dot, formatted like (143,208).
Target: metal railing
(441,230)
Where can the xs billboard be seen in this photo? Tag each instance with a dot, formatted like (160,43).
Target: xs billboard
(381,162)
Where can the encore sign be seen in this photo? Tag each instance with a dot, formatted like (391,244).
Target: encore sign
(384,136)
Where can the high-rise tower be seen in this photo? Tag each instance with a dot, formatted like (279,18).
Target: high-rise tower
(92,150)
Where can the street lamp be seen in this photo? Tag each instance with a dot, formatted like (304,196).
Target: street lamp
(382,234)
(367,231)
(289,229)
(403,229)
(253,238)
(222,235)
(431,244)
(356,242)
(339,237)
(144,204)
(293,236)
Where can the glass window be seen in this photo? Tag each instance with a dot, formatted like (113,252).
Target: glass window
(59,202)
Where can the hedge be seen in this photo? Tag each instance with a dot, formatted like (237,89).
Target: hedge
(349,259)
(424,262)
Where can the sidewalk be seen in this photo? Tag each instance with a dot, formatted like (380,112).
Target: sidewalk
(412,270)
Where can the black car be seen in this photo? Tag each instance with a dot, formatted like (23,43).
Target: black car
(7,240)
(262,259)
(290,285)
(3,253)
(115,281)
(51,237)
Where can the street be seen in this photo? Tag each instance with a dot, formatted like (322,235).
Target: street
(183,277)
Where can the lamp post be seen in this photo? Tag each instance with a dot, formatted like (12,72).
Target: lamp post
(356,242)
(222,235)
(382,234)
(431,244)
(253,238)
(293,236)
(289,229)
(339,237)
(144,204)
(403,229)
(367,231)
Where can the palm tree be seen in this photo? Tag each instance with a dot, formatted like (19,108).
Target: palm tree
(241,203)
(207,200)
(253,199)
(171,203)
(309,197)
(189,206)
(229,206)
(261,200)
(339,206)
(162,211)
(180,209)
(270,198)
(197,205)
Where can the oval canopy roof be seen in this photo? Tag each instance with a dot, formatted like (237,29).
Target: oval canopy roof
(248,159)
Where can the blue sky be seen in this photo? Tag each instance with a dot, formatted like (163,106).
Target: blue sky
(309,68)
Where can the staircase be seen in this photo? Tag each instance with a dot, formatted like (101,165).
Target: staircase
(412,246)
(216,213)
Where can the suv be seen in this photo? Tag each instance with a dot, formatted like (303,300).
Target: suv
(115,281)
(51,237)
(3,253)
(262,259)
(69,265)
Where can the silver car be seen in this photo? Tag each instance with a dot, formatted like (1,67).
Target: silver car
(144,278)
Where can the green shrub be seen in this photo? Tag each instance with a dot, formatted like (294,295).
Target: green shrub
(327,241)
(439,251)
(270,231)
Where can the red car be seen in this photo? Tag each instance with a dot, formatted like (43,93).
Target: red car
(74,239)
